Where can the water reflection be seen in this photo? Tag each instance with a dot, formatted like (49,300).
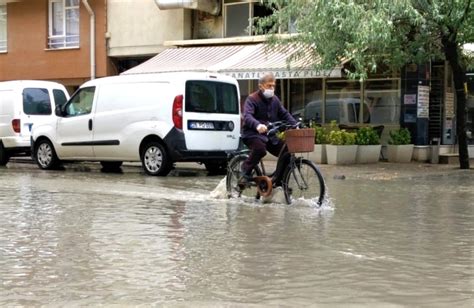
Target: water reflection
(72,238)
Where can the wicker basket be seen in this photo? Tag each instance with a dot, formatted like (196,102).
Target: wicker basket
(300,140)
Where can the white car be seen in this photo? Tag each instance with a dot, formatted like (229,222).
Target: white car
(157,119)
(23,104)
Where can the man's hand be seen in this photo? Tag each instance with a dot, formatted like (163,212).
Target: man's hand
(262,129)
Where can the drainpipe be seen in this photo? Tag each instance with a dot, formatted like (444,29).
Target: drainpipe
(92,36)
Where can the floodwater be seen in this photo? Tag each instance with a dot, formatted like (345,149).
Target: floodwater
(82,237)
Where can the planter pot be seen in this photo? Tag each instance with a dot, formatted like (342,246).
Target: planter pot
(319,154)
(368,154)
(421,153)
(400,153)
(341,154)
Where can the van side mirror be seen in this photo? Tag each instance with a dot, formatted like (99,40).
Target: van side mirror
(59,110)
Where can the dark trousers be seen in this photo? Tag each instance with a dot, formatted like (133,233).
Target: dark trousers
(258,150)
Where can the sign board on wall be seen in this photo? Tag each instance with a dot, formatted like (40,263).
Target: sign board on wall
(283,74)
(449,105)
(423,107)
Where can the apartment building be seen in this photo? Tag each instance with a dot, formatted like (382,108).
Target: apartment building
(72,41)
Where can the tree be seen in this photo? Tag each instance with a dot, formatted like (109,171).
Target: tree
(381,32)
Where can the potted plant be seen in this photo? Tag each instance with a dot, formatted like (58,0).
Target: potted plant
(341,148)
(320,141)
(400,148)
(368,141)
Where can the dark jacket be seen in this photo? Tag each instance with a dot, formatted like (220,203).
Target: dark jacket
(260,110)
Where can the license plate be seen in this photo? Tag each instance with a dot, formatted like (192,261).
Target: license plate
(201,125)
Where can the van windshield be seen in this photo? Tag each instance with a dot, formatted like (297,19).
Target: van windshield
(211,97)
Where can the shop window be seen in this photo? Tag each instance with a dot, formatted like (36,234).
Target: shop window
(3,27)
(305,95)
(383,100)
(63,24)
(240,17)
(343,103)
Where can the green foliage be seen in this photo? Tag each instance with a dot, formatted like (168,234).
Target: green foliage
(400,136)
(367,136)
(320,134)
(372,33)
(341,137)
(281,135)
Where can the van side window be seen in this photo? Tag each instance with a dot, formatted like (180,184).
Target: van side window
(81,102)
(59,97)
(36,101)
(211,97)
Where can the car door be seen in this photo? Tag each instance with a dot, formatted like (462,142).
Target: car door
(74,128)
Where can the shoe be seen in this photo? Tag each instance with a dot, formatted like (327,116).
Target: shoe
(245,179)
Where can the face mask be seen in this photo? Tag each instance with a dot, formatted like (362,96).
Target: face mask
(268,93)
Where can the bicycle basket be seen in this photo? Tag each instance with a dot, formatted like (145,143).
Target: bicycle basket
(300,140)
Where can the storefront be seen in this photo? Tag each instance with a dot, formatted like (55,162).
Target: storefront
(315,96)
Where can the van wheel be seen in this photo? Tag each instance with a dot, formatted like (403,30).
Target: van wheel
(216,168)
(4,157)
(155,159)
(45,155)
(111,165)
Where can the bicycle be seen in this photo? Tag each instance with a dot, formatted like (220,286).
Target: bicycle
(299,177)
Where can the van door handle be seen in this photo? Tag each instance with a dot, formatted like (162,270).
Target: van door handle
(90,124)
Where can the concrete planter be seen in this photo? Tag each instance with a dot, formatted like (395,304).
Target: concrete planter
(341,154)
(319,154)
(368,154)
(400,153)
(421,153)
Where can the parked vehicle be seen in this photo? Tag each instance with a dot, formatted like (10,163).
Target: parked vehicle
(342,110)
(157,119)
(24,103)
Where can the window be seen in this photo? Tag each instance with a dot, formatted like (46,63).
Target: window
(211,97)
(81,102)
(36,101)
(239,17)
(59,97)
(3,27)
(63,24)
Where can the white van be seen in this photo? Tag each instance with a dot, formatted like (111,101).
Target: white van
(341,110)
(157,119)
(24,103)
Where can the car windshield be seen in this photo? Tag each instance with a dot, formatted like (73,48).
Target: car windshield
(211,97)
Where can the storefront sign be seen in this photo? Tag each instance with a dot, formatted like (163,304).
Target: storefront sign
(409,99)
(285,74)
(449,105)
(423,110)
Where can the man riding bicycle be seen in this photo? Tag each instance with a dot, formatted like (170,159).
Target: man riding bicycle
(261,108)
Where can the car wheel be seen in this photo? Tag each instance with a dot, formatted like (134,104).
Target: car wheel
(45,155)
(4,156)
(155,160)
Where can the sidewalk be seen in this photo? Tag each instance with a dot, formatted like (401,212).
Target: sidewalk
(381,170)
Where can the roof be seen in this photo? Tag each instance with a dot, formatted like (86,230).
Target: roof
(238,61)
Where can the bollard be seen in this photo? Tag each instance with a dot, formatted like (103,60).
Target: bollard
(435,151)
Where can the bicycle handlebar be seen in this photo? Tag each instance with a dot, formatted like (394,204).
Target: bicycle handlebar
(280,126)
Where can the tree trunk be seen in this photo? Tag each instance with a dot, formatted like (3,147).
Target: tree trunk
(451,51)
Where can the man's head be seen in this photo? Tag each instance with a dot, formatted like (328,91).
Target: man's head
(266,84)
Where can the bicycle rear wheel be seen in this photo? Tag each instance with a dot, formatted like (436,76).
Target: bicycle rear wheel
(303,181)
(234,188)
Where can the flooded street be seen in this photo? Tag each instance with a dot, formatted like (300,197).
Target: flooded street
(82,237)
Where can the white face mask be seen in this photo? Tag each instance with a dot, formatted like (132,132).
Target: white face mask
(268,93)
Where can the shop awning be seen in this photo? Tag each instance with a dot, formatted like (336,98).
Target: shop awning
(239,61)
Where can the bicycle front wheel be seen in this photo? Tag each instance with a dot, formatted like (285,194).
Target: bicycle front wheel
(303,180)
(233,182)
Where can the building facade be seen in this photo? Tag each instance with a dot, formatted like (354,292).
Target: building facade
(51,40)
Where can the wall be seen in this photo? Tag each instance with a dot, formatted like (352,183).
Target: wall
(139,28)
(28,57)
